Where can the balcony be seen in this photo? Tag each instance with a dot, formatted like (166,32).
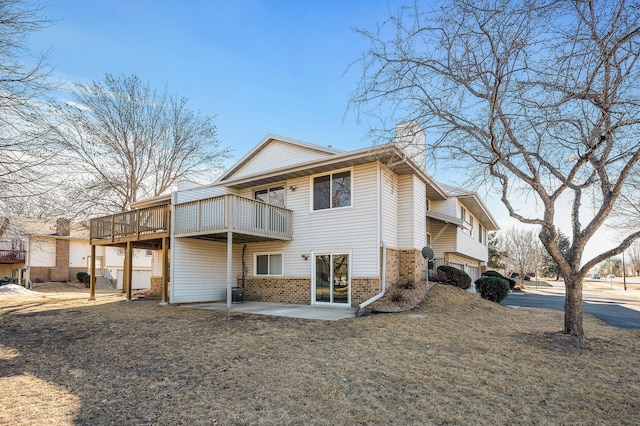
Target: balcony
(12,256)
(249,220)
(144,224)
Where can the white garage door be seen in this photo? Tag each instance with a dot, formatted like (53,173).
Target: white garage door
(141,279)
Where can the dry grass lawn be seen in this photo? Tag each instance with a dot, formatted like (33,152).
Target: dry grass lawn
(456,359)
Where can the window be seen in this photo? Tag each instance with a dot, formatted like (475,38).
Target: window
(428,240)
(273,196)
(269,264)
(332,191)
(467,219)
(480,233)
(148,253)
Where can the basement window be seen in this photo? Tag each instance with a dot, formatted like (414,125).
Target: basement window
(269,264)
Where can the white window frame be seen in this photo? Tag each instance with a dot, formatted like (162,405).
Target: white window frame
(313,275)
(269,187)
(270,253)
(331,173)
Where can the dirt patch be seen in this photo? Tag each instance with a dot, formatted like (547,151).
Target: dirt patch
(456,359)
(399,298)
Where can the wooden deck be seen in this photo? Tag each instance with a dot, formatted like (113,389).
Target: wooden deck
(247,219)
(211,218)
(147,224)
(12,256)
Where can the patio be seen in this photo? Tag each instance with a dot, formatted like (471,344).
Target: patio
(327,313)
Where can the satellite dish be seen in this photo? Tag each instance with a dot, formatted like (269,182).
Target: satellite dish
(427,253)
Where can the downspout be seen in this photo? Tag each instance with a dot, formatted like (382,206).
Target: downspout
(383,275)
(244,270)
(360,308)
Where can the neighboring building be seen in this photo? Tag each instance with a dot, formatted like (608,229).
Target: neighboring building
(40,250)
(301,223)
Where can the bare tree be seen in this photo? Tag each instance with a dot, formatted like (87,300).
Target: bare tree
(634,259)
(497,253)
(25,150)
(129,141)
(541,96)
(548,266)
(523,250)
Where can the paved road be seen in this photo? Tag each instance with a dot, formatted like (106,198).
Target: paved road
(617,313)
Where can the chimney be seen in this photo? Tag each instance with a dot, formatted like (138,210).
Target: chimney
(411,138)
(63,227)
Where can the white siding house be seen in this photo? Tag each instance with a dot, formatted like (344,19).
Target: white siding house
(308,224)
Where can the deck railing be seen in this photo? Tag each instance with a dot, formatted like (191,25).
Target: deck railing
(12,256)
(233,213)
(134,223)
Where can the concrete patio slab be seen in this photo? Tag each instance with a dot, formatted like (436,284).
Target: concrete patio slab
(316,312)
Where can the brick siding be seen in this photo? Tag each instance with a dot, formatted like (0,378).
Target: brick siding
(277,289)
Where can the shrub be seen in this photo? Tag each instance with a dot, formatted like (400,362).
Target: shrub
(406,284)
(396,295)
(86,280)
(455,276)
(439,276)
(497,274)
(80,276)
(494,289)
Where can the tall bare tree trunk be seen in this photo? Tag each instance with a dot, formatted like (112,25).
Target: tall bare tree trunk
(573,307)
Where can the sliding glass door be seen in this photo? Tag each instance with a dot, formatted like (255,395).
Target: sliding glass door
(331,278)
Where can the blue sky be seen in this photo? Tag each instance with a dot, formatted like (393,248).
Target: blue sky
(260,66)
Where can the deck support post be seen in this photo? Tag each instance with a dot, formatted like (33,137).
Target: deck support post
(229,267)
(128,259)
(92,272)
(165,271)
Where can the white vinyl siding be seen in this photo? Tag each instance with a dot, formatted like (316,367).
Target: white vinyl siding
(448,207)
(140,279)
(199,270)
(389,196)
(201,193)
(412,212)
(78,252)
(445,241)
(345,230)
(276,155)
(43,253)
(470,246)
(455,240)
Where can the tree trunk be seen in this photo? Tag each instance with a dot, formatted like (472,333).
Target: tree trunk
(573,307)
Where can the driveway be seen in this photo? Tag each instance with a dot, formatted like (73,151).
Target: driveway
(607,301)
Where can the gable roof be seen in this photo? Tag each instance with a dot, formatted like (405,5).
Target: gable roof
(323,150)
(390,154)
(472,201)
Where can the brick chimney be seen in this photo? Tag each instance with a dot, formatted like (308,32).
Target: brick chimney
(61,271)
(63,227)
